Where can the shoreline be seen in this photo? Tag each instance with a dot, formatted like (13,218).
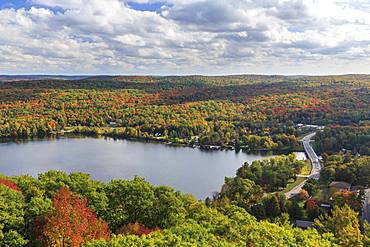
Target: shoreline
(150,140)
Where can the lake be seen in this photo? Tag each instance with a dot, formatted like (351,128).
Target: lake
(189,170)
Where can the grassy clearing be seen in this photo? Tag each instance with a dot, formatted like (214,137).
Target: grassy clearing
(306,169)
(293,184)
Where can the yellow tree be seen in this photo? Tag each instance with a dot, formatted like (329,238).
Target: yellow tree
(344,224)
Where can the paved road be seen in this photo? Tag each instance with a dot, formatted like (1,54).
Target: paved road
(295,190)
(315,165)
(315,174)
(366,207)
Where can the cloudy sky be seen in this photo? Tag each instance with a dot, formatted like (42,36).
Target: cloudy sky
(184,36)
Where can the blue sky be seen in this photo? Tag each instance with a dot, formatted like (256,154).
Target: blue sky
(14,4)
(184,36)
(17,4)
(146,6)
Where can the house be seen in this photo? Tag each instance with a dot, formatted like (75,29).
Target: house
(339,186)
(303,224)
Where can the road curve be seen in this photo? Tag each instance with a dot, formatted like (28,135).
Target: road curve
(315,165)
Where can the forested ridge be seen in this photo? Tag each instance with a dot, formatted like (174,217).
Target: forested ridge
(251,112)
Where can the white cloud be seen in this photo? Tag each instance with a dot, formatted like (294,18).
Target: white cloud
(186,36)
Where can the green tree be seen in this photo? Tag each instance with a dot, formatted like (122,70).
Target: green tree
(168,208)
(311,186)
(12,222)
(129,202)
(295,210)
(272,206)
(242,192)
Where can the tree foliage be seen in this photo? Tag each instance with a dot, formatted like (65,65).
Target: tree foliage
(151,216)
(12,217)
(272,174)
(224,111)
(344,224)
(71,222)
(348,168)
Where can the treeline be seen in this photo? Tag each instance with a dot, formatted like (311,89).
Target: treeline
(355,139)
(57,209)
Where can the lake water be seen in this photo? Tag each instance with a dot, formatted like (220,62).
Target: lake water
(189,170)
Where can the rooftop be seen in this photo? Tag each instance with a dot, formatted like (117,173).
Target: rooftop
(303,223)
(340,185)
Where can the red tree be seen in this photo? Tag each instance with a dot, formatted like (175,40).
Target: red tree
(71,222)
(9,184)
(311,204)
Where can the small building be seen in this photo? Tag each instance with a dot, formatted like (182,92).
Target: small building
(303,224)
(112,124)
(339,186)
(325,205)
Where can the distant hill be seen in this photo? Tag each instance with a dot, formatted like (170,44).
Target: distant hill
(211,80)
(39,77)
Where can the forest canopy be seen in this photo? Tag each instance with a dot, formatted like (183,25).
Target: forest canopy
(249,112)
(57,208)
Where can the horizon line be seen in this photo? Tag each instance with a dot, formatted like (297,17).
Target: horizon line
(165,75)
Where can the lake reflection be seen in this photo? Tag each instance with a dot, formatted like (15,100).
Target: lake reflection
(186,169)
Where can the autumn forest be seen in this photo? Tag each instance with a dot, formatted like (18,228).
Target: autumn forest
(249,112)
(241,112)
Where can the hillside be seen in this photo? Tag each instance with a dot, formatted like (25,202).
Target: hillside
(251,112)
